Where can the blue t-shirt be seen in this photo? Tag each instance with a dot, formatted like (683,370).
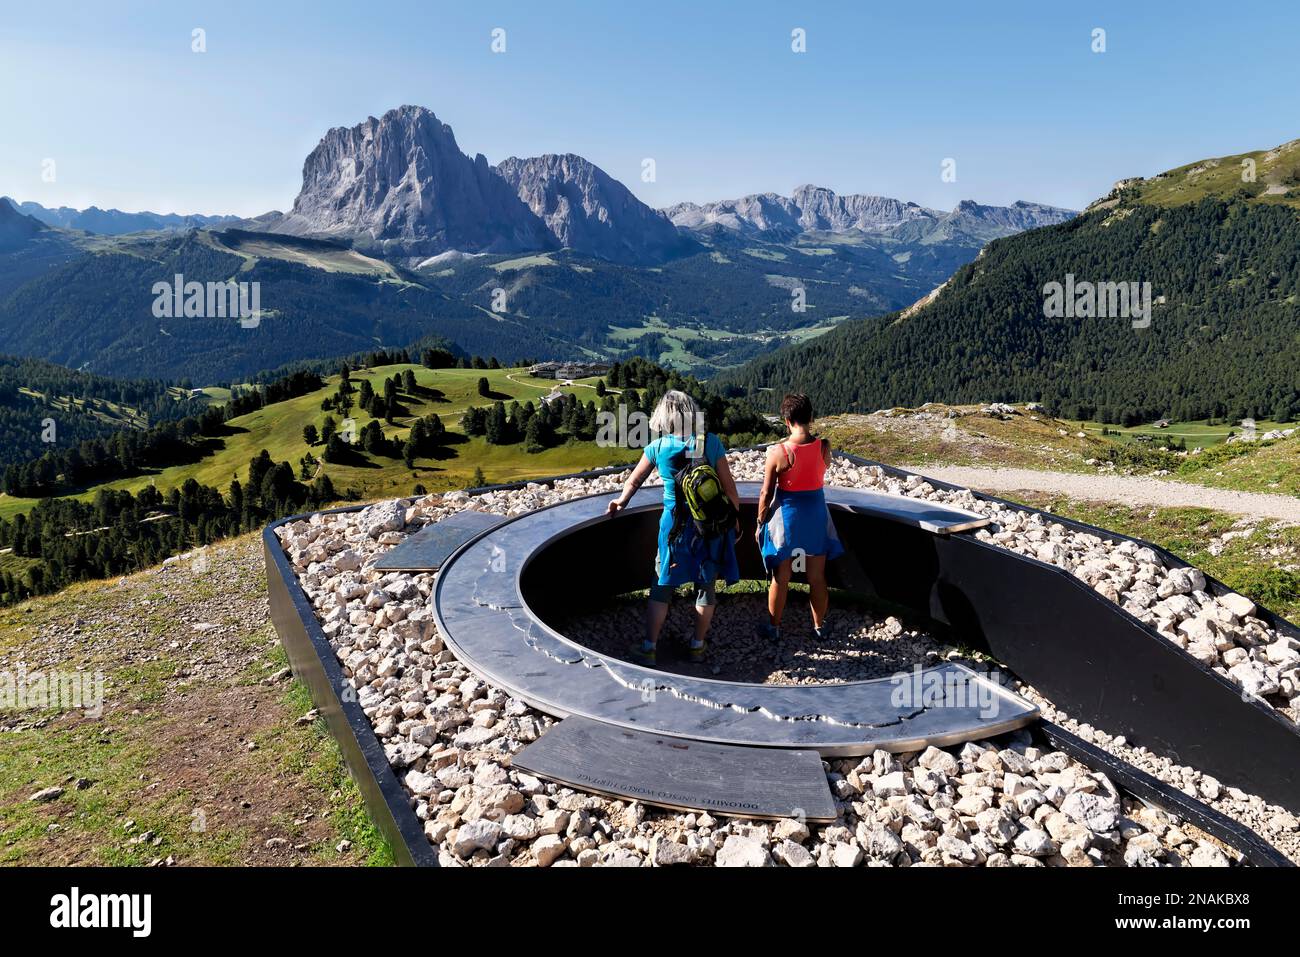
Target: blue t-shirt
(662,451)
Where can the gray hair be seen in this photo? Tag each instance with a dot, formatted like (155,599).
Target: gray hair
(677,414)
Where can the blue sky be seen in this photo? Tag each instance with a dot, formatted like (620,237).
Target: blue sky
(710,90)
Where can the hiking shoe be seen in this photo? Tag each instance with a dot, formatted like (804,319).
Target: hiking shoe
(769,631)
(697,652)
(644,654)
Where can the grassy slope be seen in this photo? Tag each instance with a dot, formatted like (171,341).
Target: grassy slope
(1277,179)
(1200,433)
(278,429)
(1031,440)
(199,742)
(1036,441)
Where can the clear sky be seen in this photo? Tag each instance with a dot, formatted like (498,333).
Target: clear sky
(711,90)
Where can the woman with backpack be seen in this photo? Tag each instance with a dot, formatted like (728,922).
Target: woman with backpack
(697,530)
(794,524)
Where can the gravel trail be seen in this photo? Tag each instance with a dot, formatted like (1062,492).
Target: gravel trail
(1127,489)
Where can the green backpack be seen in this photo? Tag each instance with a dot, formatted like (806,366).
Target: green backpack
(700,498)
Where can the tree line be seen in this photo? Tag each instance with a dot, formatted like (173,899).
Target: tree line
(116,533)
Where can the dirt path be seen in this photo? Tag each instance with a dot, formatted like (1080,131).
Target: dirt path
(1126,489)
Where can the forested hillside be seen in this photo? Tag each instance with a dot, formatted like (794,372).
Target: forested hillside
(97,311)
(1224,337)
(80,406)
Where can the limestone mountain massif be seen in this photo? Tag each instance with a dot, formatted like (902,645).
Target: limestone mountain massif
(586,209)
(814,209)
(401,182)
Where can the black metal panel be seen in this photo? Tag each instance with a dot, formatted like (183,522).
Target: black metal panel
(1092,659)
(1212,585)
(315,664)
(1152,791)
(432,545)
(684,775)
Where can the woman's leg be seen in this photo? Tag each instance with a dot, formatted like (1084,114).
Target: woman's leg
(705,600)
(777,591)
(820,597)
(656,612)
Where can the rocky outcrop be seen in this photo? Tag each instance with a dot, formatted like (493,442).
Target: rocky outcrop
(588,211)
(402,182)
(816,209)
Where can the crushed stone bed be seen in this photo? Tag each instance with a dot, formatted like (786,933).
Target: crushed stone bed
(450,737)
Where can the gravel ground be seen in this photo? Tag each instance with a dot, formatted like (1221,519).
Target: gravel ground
(855,646)
(1126,489)
(993,803)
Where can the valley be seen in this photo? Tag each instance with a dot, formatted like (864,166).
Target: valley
(544,257)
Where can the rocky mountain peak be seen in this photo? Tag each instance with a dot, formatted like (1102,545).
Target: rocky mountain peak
(587,210)
(401,181)
(818,209)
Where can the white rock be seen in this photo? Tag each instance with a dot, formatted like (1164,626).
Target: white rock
(475,836)
(741,852)
(547,849)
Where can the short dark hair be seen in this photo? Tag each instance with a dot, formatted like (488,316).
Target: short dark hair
(797,408)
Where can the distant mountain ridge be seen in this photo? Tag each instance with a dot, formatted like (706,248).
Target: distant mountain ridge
(397,234)
(401,183)
(817,209)
(114,222)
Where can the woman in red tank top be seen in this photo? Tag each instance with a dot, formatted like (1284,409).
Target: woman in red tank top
(795,531)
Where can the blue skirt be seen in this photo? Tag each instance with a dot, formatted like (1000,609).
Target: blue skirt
(691,560)
(799,522)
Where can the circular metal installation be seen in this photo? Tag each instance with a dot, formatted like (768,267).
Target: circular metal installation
(495,595)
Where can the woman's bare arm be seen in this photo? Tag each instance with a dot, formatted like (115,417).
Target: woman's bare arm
(634,482)
(826,451)
(771,466)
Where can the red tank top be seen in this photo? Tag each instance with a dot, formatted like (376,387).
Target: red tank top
(806,467)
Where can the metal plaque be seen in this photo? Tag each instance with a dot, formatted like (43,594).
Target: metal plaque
(680,774)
